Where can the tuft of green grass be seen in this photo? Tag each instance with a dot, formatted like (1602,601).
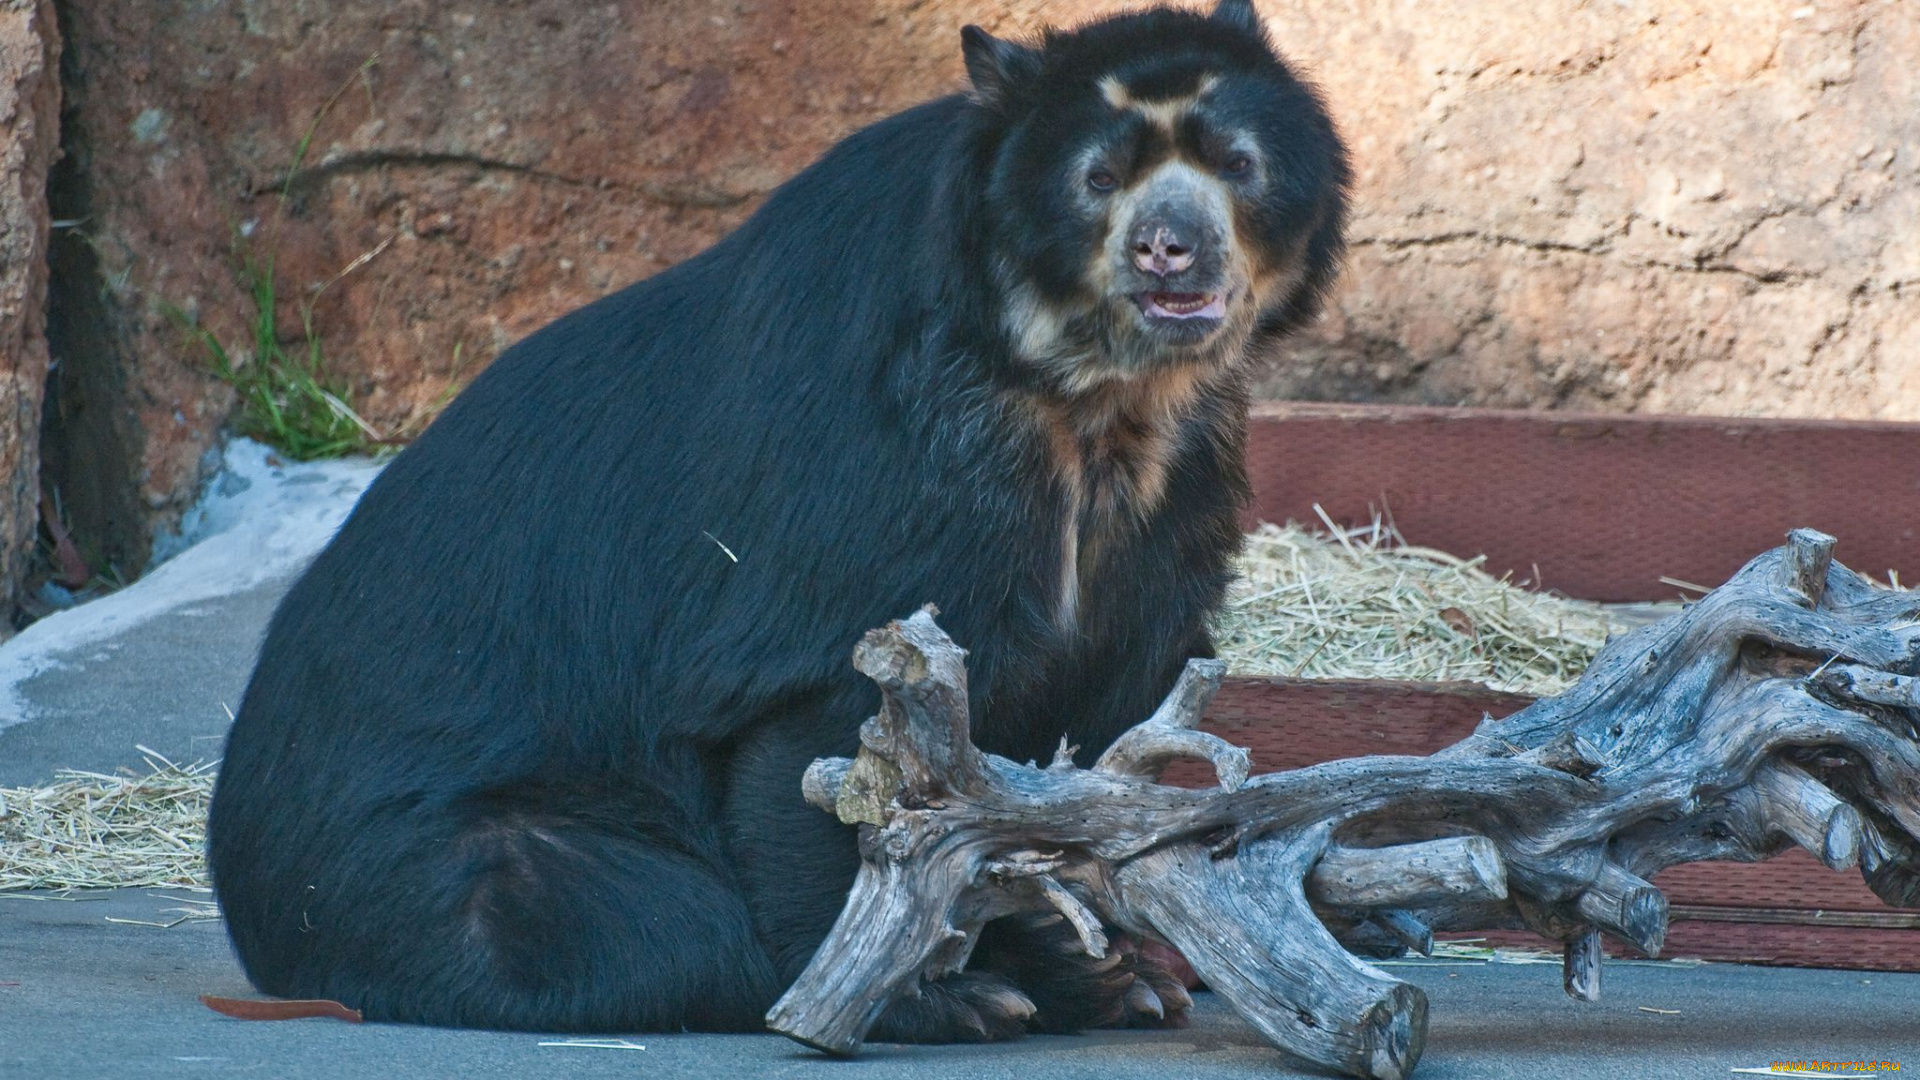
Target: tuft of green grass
(288,398)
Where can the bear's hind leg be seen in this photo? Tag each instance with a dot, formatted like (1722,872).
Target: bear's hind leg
(527,921)
(588,931)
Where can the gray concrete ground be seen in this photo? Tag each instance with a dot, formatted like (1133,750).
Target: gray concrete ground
(161,662)
(84,997)
(165,684)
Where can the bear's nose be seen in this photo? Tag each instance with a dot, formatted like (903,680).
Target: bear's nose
(1161,248)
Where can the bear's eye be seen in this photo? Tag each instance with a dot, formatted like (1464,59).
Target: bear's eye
(1238,164)
(1102,180)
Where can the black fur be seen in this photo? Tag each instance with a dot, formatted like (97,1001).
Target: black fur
(524,745)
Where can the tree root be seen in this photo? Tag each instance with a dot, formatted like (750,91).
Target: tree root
(1781,709)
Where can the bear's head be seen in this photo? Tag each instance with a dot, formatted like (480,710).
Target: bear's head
(1162,191)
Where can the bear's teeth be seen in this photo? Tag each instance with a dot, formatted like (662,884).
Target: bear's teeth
(1181,303)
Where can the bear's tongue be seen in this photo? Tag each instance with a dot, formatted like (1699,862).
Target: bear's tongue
(1183,305)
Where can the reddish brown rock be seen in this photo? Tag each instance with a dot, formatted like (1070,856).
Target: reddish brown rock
(1705,208)
(29,140)
(486,168)
(1702,207)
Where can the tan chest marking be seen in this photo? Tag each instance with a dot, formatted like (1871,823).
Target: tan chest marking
(1111,450)
(1063,453)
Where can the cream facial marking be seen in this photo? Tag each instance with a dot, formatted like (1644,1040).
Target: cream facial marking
(1179,183)
(1165,112)
(1173,181)
(1172,279)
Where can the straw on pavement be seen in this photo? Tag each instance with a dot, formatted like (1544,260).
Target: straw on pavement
(91,830)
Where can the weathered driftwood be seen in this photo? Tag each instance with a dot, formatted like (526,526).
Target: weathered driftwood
(1780,709)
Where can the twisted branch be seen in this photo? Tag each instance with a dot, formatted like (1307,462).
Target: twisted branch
(1781,709)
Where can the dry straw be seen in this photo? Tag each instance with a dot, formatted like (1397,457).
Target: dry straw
(1350,604)
(89,830)
(1363,604)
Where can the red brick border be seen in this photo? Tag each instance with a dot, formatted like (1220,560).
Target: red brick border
(1603,505)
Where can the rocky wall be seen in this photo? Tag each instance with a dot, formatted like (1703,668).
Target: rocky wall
(29,140)
(1703,207)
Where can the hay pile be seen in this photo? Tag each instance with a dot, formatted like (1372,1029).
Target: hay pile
(1351,604)
(1363,604)
(88,830)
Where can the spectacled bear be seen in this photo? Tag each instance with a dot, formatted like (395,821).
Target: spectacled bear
(523,746)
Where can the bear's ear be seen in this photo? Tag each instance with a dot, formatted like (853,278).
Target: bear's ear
(1238,14)
(993,64)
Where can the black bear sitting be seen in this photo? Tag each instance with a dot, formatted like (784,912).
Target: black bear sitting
(524,745)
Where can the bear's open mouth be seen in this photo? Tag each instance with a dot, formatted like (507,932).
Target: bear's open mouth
(1175,305)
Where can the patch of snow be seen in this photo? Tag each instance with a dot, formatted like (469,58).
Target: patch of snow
(262,518)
